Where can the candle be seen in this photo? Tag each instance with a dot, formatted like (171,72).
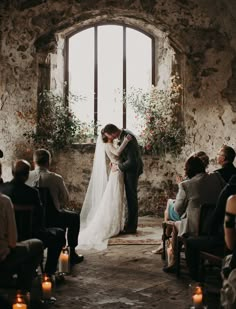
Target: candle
(19,306)
(197,299)
(19,303)
(46,288)
(198,290)
(64,261)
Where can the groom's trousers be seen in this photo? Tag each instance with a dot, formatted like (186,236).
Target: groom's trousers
(131,185)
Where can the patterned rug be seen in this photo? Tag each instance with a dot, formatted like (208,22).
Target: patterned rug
(149,232)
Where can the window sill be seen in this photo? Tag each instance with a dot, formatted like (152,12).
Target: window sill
(84,147)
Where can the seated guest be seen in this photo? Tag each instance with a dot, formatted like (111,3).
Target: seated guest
(219,213)
(228,292)
(199,188)
(214,242)
(225,158)
(170,213)
(52,238)
(21,258)
(42,177)
(230,223)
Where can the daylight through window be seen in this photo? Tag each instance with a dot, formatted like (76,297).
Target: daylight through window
(104,63)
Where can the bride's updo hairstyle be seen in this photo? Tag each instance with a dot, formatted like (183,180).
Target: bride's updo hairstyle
(110,129)
(104,137)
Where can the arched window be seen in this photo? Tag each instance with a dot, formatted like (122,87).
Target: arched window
(104,63)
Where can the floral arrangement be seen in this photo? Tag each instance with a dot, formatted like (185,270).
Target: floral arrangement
(56,125)
(159,118)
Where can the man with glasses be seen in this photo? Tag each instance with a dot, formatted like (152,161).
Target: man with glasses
(225,158)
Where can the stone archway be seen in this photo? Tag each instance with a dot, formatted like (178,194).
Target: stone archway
(168,53)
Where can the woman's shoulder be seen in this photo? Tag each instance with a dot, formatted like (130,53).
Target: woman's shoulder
(231,204)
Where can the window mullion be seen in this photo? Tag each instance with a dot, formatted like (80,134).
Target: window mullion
(95,78)
(124,76)
(153,62)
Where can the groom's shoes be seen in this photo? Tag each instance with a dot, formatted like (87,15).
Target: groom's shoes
(76,259)
(128,231)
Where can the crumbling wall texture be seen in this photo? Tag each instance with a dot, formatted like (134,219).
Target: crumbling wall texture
(203,30)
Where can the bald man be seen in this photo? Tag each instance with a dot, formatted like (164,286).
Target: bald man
(20,193)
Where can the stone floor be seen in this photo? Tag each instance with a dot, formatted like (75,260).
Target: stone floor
(126,276)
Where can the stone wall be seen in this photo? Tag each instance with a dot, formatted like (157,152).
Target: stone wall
(155,184)
(204,32)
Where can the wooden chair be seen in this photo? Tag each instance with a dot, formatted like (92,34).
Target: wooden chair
(165,236)
(206,211)
(212,259)
(24,217)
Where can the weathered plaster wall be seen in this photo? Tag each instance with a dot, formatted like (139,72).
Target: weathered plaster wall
(204,32)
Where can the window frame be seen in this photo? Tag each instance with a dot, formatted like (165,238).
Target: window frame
(95,26)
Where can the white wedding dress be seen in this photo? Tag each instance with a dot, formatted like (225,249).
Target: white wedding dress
(103,212)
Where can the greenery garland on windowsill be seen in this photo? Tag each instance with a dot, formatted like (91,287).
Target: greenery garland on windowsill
(159,118)
(54,125)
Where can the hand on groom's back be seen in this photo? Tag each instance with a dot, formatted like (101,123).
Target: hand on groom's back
(114,167)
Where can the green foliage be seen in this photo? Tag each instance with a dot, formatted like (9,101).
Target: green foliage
(57,126)
(158,114)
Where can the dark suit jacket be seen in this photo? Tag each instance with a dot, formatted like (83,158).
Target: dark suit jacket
(227,171)
(219,213)
(23,194)
(131,161)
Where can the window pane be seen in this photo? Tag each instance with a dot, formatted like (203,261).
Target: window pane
(110,68)
(139,68)
(81,73)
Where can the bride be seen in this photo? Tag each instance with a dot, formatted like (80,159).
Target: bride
(103,213)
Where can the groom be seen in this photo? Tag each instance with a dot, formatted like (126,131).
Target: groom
(132,166)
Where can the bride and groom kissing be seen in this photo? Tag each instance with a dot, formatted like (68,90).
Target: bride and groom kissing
(103,213)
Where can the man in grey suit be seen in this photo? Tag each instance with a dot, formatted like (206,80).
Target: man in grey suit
(132,166)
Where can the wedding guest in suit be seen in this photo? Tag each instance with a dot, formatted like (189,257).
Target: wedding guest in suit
(219,213)
(214,242)
(21,258)
(41,176)
(53,238)
(132,166)
(198,189)
(225,158)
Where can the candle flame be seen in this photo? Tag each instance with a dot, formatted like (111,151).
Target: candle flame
(19,299)
(198,290)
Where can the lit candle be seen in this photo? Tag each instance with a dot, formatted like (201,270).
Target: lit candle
(64,261)
(198,290)
(46,288)
(19,306)
(19,303)
(197,299)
